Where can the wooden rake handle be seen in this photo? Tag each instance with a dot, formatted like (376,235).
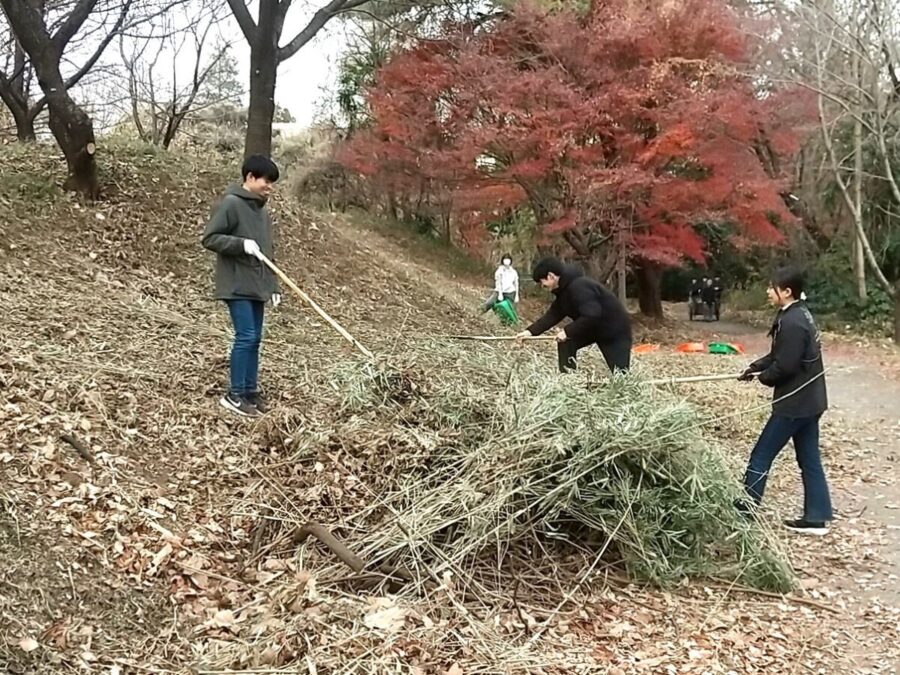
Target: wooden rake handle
(321,312)
(697,378)
(492,338)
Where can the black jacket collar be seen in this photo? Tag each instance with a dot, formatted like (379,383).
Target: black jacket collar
(569,274)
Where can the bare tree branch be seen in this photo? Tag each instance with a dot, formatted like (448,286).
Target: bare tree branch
(854,208)
(320,18)
(92,60)
(159,116)
(72,24)
(245,21)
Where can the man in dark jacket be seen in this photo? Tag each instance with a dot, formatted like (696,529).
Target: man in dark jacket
(795,369)
(597,316)
(240,232)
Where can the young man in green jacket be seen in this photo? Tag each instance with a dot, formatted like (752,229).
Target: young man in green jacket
(240,233)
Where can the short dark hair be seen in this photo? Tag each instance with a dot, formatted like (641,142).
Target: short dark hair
(505,256)
(261,167)
(545,266)
(789,277)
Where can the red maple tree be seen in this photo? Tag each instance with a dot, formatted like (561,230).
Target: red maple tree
(622,128)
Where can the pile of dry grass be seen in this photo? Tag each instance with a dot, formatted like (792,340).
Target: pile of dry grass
(490,454)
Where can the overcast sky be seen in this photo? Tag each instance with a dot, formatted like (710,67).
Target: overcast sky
(302,80)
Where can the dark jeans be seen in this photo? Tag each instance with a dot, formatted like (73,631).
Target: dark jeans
(495,298)
(616,354)
(247,319)
(775,435)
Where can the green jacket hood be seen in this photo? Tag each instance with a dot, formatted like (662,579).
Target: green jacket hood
(238,190)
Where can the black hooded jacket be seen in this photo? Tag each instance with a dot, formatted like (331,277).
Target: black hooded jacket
(794,365)
(597,315)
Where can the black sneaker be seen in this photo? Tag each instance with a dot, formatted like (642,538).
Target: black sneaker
(257,401)
(804,526)
(745,508)
(239,406)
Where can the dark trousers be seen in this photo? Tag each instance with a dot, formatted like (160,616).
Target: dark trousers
(617,354)
(495,298)
(247,319)
(805,433)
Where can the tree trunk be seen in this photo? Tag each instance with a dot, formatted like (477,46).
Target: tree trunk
(621,270)
(263,74)
(859,258)
(859,269)
(18,108)
(15,95)
(25,132)
(649,277)
(74,132)
(262,104)
(393,211)
(446,223)
(897,313)
(592,267)
(70,124)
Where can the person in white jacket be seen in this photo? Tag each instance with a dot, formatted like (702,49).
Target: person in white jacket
(506,284)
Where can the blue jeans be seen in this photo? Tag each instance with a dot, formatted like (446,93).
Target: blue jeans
(247,319)
(775,435)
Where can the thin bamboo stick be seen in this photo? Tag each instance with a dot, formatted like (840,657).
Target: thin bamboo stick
(697,378)
(492,338)
(321,312)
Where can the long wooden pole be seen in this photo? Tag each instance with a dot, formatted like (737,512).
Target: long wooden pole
(697,378)
(492,338)
(321,312)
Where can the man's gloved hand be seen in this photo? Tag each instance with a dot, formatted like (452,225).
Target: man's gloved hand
(747,375)
(252,248)
(276,300)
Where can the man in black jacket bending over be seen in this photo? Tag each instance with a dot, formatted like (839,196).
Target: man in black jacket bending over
(794,368)
(597,316)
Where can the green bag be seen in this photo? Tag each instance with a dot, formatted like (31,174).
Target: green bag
(722,348)
(506,311)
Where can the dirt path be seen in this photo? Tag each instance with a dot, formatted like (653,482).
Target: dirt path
(864,393)
(394,255)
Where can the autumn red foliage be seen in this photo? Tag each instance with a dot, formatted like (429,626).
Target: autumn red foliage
(625,127)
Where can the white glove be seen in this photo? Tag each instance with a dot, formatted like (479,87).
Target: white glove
(276,300)
(252,248)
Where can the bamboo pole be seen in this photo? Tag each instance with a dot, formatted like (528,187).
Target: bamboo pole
(696,378)
(493,338)
(321,312)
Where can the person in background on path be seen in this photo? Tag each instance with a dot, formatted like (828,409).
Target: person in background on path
(695,289)
(597,316)
(240,232)
(708,297)
(506,284)
(795,369)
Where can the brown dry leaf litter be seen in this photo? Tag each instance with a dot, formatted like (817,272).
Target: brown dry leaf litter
(144,549)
